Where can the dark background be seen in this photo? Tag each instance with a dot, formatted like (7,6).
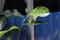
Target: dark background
(20,5)
(51,4)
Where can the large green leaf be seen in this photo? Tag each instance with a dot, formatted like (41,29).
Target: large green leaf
(40,11)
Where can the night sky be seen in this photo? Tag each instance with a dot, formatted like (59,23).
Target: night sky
(20,5)
(51,4)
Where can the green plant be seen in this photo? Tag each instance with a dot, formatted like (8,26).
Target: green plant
(38,11)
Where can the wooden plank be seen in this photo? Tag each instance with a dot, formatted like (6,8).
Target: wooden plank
(31,27)
(1,6)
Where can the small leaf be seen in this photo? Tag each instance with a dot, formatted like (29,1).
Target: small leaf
(13,27)
(7,13)
(16,13)
(3,32)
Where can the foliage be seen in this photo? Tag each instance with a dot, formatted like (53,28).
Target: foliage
(6,31)
(38,11)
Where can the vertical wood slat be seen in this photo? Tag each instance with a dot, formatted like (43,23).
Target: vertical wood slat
(1,11)
(29,5)
(31,27)
(1,6)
